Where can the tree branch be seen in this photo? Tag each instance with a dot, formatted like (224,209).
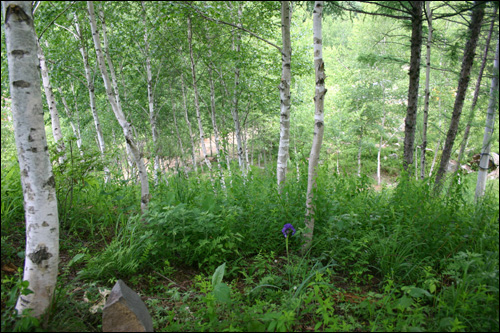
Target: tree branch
(234,25)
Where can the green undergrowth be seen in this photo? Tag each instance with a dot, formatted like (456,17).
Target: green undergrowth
(213,258)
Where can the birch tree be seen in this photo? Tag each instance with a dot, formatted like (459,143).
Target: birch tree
(186,117)
(284,87)
(463,83)
(91,89)
(488,132)
(319,68)
(196,98)
(114,99)
(151,107)
(40,202)
(234,111)
(51,101)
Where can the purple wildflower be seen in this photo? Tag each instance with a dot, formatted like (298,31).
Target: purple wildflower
(286,228)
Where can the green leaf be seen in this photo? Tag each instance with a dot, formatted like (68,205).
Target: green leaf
(75,259)
(404,302)
(218,275)
(222,293)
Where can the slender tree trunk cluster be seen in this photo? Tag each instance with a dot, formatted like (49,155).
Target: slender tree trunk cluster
(114,100)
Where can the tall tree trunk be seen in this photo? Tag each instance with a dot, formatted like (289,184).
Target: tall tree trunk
(463,82)
(51,101)
(214,120)
(40,202)
(151,103)
(381,143)
(319,68)
(438,144)
(360,145)
(284,87)
(179,140)
(196,100)
(427,89)
(191,135)
(488,132)
(92,99)
(476,92)
(411,112)
(74,127)
(234,111)
(115,105)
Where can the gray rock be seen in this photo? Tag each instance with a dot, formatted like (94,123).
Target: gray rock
(125,311)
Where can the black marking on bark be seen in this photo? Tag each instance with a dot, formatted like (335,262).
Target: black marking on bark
(51,182)
(16,13)
(30,138)
(19,54)
(40,255)
(31,210)
(45,224)
(21,84)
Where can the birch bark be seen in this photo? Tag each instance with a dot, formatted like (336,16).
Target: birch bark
(75,127)
(284,87)
(213,117)
(40,203)
(191,135)
(488,132)
(319,67)
(237,128)
(196,100)
(90,87)
(117,110)
(152,112)
(51,101)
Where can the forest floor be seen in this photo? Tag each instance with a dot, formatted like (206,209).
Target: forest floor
(393,258)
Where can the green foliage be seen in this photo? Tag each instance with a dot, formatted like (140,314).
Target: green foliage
(12,321)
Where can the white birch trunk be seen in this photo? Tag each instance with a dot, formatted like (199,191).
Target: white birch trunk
(40,203)
(196,100)
(92,99)
(74,127)
(51,101)
(179,140)
(152,112)
(319,68)
(237,128)
(113,98)
(214,121)
(438,144)
(427,91)
(191,135)
(284,87)
(488,132)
